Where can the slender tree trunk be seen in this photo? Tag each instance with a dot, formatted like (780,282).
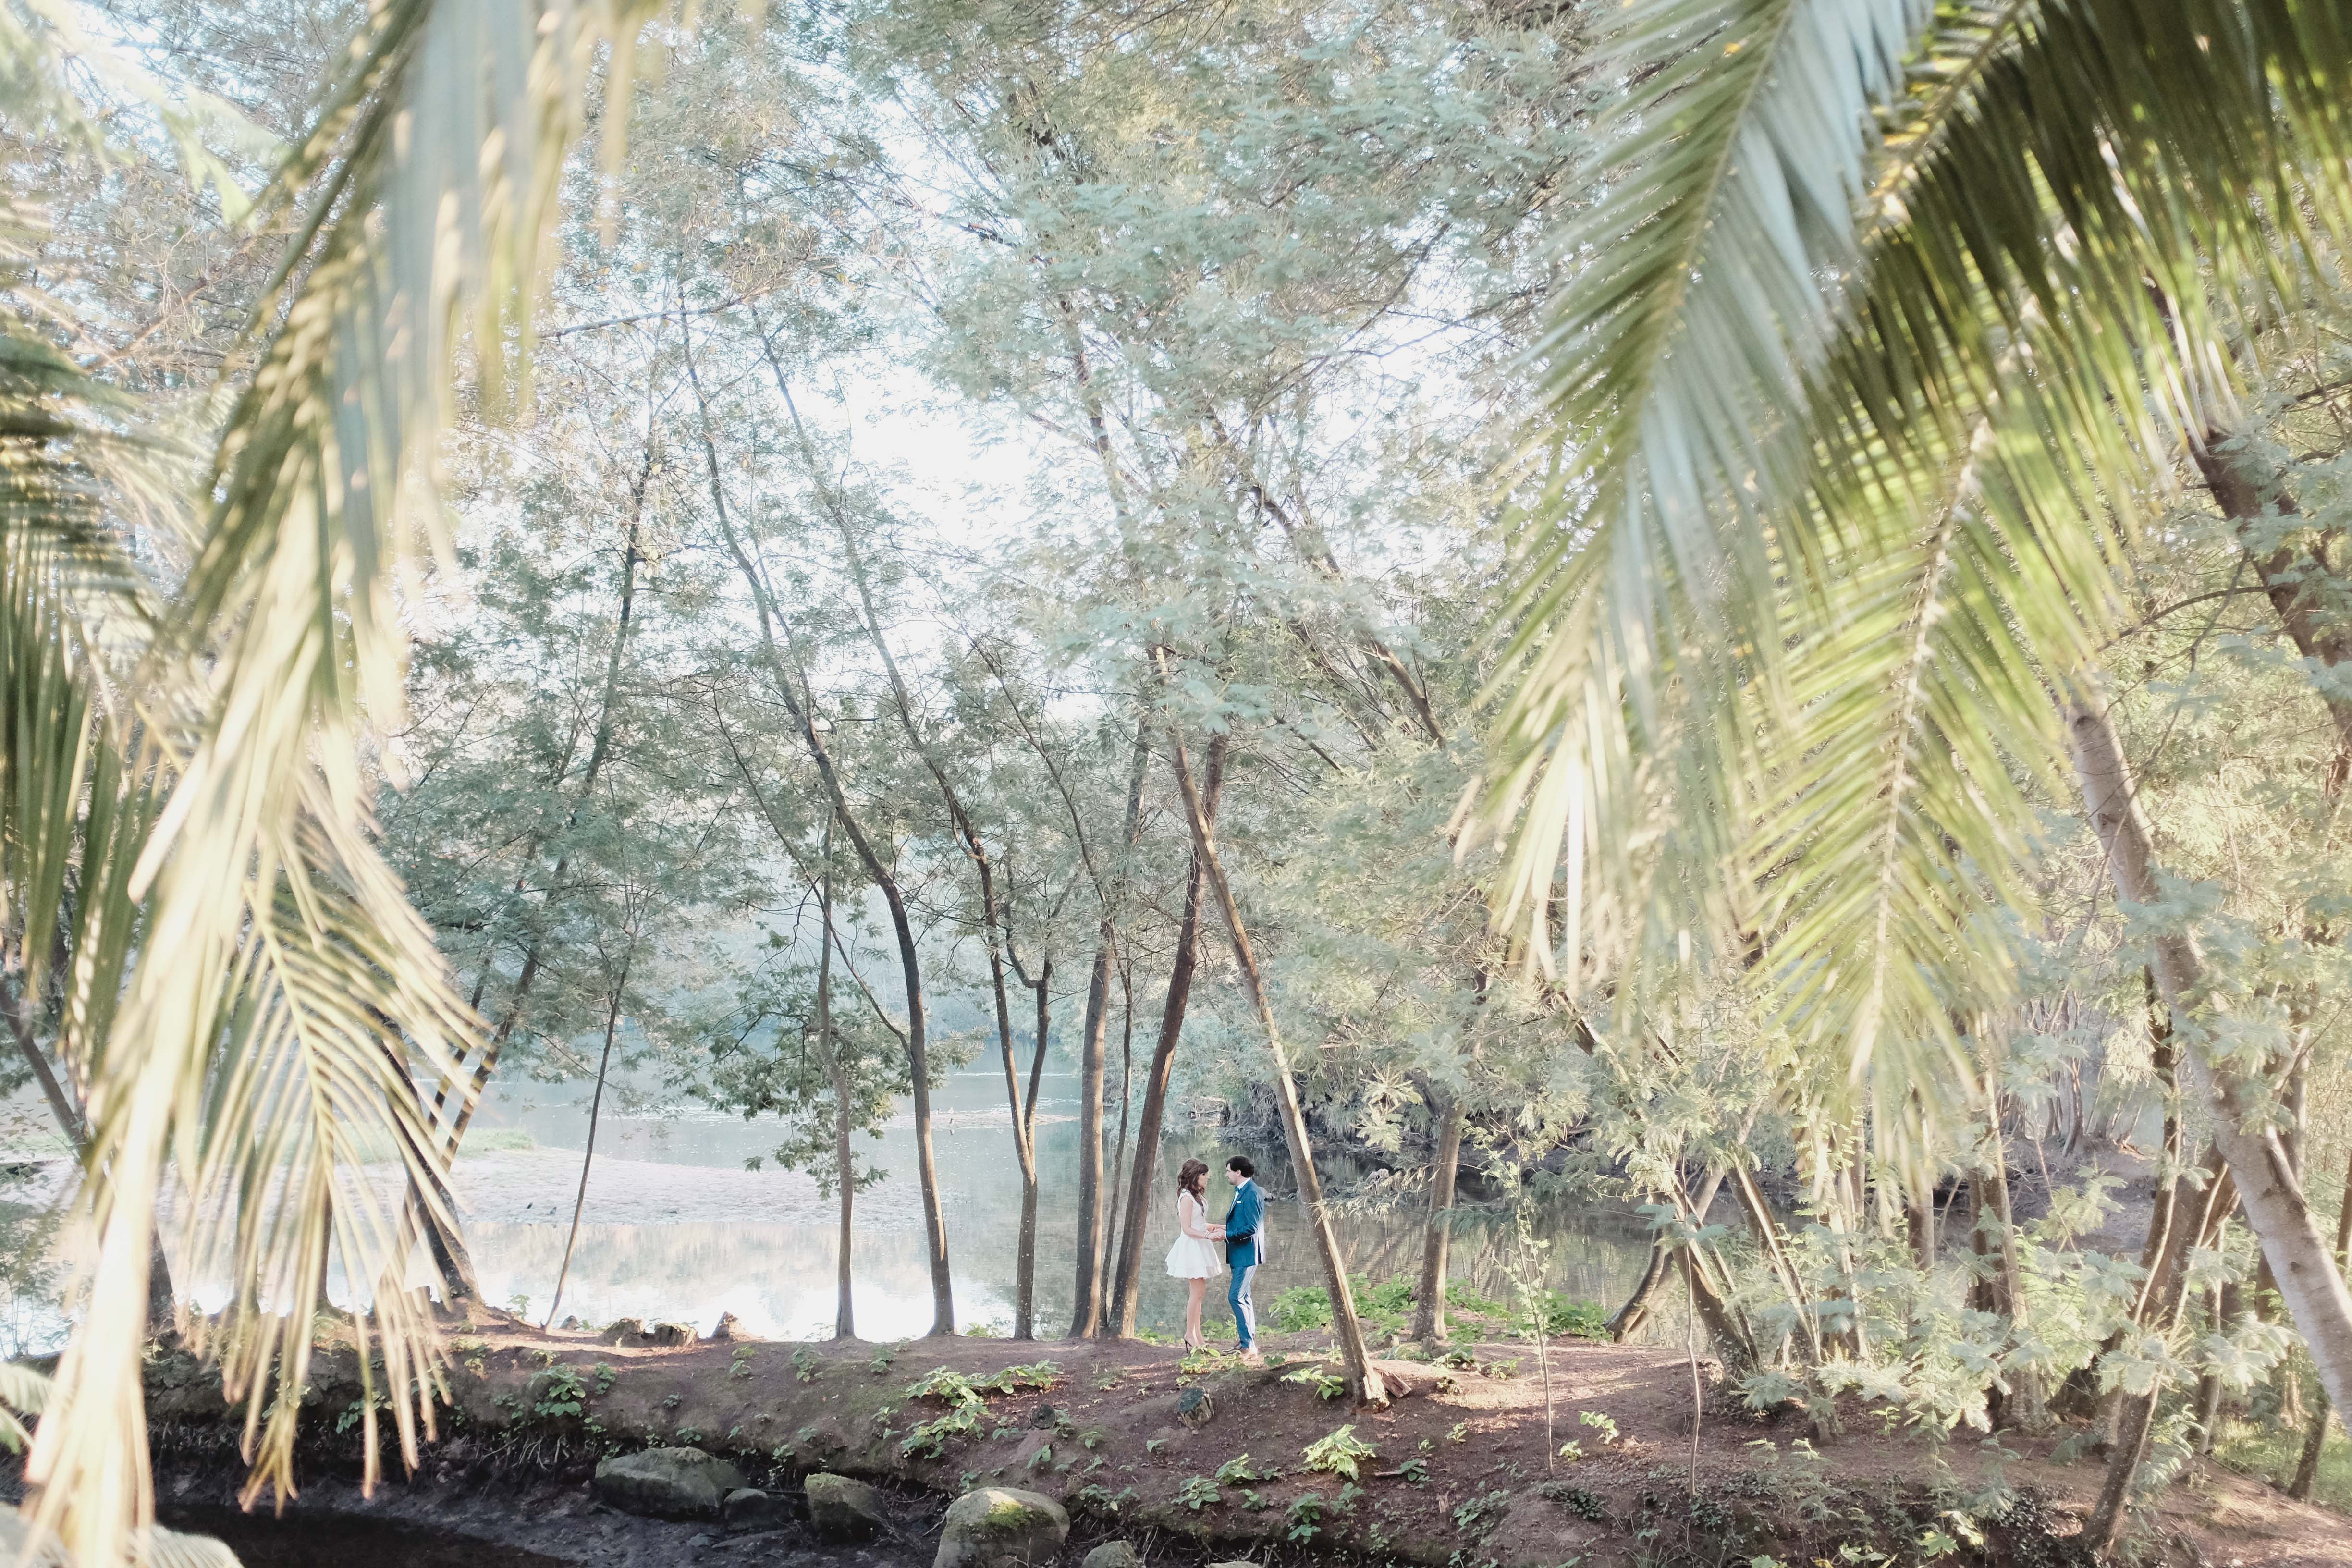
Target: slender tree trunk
(1732,1341)
(1345,1327)
(15,1002)
(790,680)
(1025,1296)
(845,1159)
(446,1247)
(2222,1310)
(2136,1413)
(2306,1468)
(2025,1405)
(1041,1033)
(1428,1312)
(1628,1318)
(1112,1209)
(1635,1310)
(2163,1214)
(1087,1317)
(2309,1279)
(1127,1289)
(587,1154)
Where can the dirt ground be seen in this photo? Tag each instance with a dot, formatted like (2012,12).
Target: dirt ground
(1458,1476)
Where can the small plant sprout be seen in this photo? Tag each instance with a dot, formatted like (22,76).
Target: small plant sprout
(1326,1384)
(1198,1493)
(1238,1468)
(1340,1454)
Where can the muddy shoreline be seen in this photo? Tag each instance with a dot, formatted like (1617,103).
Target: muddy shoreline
(1462,1467)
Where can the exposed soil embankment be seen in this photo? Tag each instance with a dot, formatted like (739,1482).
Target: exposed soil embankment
(1457,1471)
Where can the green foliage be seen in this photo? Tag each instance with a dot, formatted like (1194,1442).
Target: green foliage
(1099,1500)
(1305,1517)
(1238,1468)
(1478,1517)
(1568,1318)
(1577,1500)
(1035,1375)
(1384,1308)
(561,1393)
(1339,1452)
(1327,1383)
(1198,1492)
(805,1365)
(945,1385)
(928,1439)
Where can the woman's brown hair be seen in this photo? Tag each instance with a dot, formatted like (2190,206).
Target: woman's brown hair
(1193,1179)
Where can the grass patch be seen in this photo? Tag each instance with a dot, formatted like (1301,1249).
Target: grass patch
(2270,1453)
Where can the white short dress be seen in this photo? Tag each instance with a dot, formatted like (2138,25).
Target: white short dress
(1194,1256)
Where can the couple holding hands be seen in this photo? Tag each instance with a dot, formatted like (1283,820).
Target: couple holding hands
(1203,1251)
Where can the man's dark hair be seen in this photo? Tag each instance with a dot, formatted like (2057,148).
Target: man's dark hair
(1242,1162)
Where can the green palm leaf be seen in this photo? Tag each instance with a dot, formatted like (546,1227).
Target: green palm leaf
(217,822)
(1802,680)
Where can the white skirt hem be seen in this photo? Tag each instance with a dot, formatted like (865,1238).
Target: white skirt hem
(1191,1259)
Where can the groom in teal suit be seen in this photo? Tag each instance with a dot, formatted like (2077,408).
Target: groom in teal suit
(1244,1247)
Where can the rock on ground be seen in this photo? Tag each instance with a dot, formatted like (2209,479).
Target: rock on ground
(1113,1554)
(1195,1407)
(1002,1527)
(842,1507)
(667,1483)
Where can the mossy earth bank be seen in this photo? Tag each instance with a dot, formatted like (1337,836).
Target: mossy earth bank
(1470,1464)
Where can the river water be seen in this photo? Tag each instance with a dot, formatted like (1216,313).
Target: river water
(676,1228)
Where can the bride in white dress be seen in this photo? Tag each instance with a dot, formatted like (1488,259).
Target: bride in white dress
(1195,1258)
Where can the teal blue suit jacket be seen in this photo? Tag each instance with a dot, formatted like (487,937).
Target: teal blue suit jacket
(1242,1227)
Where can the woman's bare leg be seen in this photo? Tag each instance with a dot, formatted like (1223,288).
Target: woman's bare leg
(1192,1336)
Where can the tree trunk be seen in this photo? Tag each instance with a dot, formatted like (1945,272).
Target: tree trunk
(447,1246)
(15,1002)
(2309,1279)
(845,1159)
(1041,1033)
(2136,1413)
(1345,1327)
(2222,1310)
(1732,1341)
(1635,1311)
(1437,1237)
(2024,1406)
(1086,1318)
(1112,1209)
(788,678)
(588,1153)
(1127,1287)
(2306,1468)
(2163,1217)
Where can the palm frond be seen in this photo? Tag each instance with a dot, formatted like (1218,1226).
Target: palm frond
(1726,186)
(1836,662)
(284,990)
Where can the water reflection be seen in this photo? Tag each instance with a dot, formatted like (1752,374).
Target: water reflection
(694,1244)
